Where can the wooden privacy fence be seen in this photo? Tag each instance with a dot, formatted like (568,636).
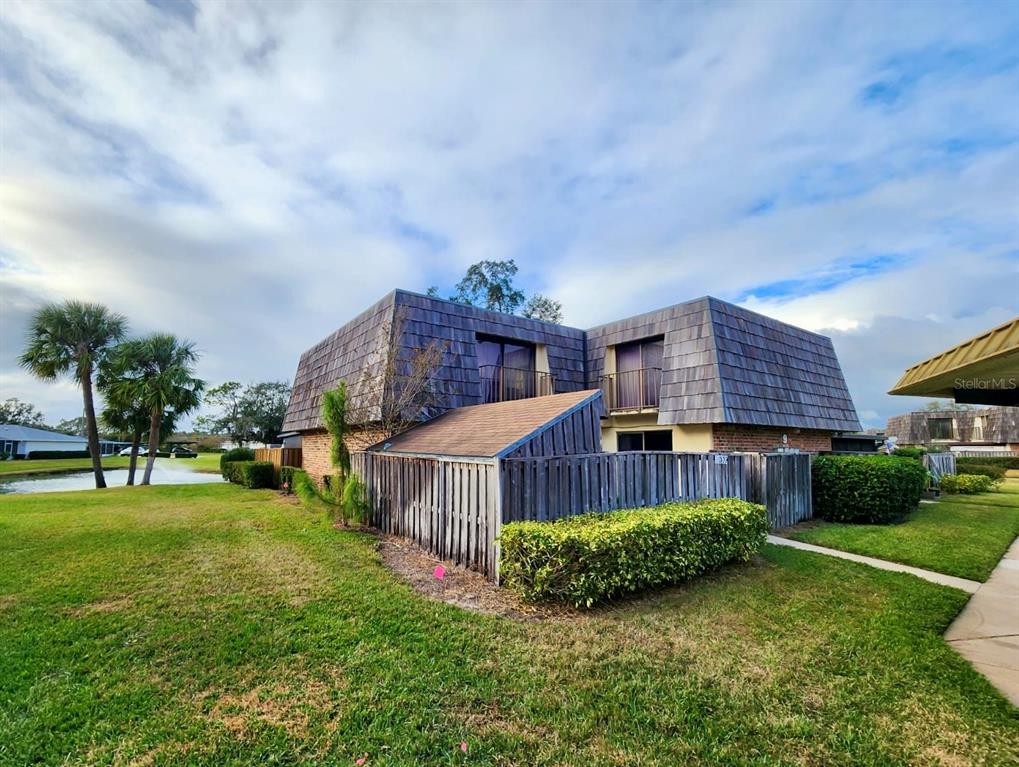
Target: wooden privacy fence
(939,464)
(454,508)
(279,456)
(563,486)
(449,507)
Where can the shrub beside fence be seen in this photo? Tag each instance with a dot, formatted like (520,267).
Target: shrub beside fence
(455,508)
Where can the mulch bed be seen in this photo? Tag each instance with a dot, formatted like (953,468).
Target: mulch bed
(460,586)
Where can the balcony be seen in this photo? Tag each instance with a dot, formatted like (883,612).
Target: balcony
(633,390)
(501,384)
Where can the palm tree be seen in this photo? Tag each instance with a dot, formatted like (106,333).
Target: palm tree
(74,337)
(125,412)
(160,379)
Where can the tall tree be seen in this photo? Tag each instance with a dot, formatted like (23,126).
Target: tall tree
(73,337)
(14,411)
(77,427)
(124,411)
(230,419)
(541,307)
(489,284)
(247,413)
(162,380)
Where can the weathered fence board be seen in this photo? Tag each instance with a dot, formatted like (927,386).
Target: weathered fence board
(447,506)
(455,508)
(279,456)
(562,486)
(939,464)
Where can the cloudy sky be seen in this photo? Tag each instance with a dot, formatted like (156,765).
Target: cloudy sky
(252,175)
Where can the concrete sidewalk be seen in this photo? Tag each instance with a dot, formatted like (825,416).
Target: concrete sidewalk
(970,587)
(986,633)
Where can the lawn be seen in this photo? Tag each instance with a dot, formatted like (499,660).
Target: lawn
(962,535)
(211,625)
(204,462)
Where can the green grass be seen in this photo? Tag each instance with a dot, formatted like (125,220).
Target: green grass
(203,462)
(45,465)
(215,625)
(961,535)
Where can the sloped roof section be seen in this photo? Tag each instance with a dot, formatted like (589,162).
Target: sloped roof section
(726,364)
(991,357)
(494,430)
(31,434)
(775,374)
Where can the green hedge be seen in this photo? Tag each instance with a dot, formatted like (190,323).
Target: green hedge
(587,559)
(1000,461)
(232,456)
(253,474)
(909,452)
(994,472)
(966,484)
(866,488)
(48,454)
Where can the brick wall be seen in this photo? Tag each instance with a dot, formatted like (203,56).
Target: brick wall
(315,447)
(734,438)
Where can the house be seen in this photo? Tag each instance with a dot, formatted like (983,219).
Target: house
(991,429)
(981,371)
(699,376)
(18,441)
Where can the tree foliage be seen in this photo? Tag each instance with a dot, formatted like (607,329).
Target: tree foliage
(252,413)
(489,285)
(160,378)
(334,415)
(14,411)
(74,337)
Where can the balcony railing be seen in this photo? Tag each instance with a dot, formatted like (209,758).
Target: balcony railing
(500,384)
(632,389)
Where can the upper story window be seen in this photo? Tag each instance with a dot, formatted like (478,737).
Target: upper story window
(507,370)
(638,377)
(941,428)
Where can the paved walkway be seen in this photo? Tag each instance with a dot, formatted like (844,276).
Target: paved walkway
(970,587)
(986,633)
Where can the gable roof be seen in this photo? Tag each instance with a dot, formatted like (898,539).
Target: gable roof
(726,364)
(488,431)
(21,433)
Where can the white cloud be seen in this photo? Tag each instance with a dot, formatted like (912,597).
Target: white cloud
(255,176)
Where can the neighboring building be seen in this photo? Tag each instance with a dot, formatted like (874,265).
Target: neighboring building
(20,441)
(699,376)
(992,428)
(981,371)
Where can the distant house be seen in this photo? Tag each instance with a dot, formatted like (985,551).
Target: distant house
(21,441)
(991,429)
(698,376)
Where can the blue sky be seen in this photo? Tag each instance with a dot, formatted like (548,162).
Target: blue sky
(252,175)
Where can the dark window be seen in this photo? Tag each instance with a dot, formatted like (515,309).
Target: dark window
(941,428)
(638,375)
(506,368)
(644,440)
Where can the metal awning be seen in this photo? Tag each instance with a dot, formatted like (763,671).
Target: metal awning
(983,370)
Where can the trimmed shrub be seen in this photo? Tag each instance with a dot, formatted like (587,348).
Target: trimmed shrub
(258,474)
(251,474)
(991,460)
(966,484)
(47,454)
(237,454)
(909,452)
(590,558)
(287,478)
(994,472)
(875,489)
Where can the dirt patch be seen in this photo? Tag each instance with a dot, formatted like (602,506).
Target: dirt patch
(7,601)
(461,587)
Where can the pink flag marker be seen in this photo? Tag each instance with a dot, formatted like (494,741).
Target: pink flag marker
(463,746)
(439,572)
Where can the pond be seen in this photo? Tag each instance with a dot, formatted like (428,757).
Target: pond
(84,480)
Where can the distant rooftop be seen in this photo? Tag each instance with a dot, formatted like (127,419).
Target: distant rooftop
(21,433)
